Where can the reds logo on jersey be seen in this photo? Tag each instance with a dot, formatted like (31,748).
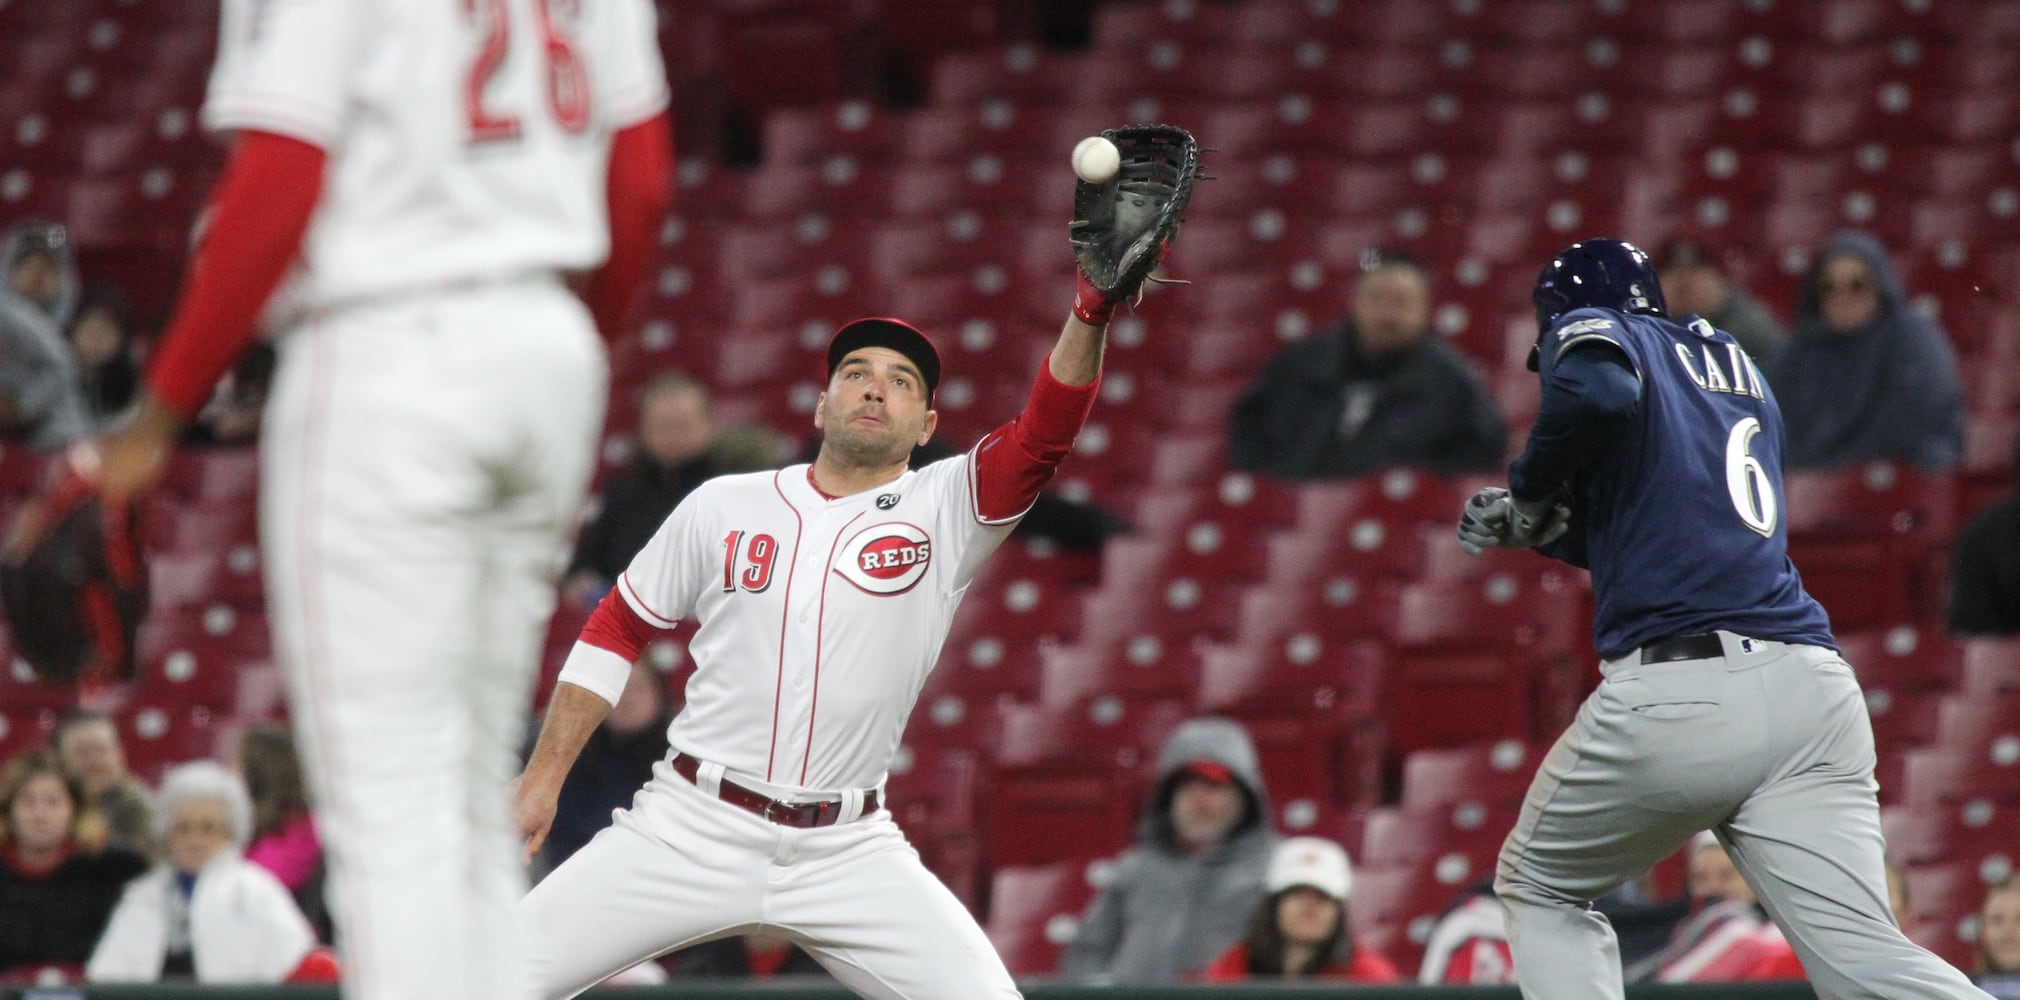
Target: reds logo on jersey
(885,559)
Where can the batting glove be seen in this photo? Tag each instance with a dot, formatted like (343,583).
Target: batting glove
(1493,518)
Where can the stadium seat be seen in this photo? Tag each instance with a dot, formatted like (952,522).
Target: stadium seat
(1497,774)
(1974,833)
(157,738)
(1903,657)
(1412,837)
(1943,899)
(1035,910)
(1944,774)
(1991,665)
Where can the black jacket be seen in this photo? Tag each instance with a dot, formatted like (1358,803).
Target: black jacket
(55,918)
(1985,572)
(1424,408)
(636,502)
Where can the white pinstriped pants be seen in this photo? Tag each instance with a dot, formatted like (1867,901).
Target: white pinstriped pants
(423,462)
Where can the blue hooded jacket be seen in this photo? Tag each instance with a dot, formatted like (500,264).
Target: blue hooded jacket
(1888,391)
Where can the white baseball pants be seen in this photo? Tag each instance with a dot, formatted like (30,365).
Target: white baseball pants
(681,867)
(1768,746)
(423,463)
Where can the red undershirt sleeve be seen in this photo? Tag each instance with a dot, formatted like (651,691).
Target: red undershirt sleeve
(639,192)
(1017,459)
(261,209)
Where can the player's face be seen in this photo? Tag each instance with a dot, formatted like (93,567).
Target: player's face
(673,426)
(1713,875)
(1307,916)
(197,832)
(41,813)
(1392,306)
(1204,812)
(874,411)
(1999,930)
(1850,300)
(90,751)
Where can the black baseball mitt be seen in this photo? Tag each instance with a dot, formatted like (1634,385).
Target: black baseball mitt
(1122,226)
(73,579)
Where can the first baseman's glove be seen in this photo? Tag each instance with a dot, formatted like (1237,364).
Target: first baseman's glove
(1122,226)
(73,577)
(1493,518)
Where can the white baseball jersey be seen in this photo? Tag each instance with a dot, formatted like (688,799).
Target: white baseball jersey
(469,139)
(820,618)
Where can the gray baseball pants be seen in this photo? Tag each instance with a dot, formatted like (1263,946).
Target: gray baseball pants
(1768,746)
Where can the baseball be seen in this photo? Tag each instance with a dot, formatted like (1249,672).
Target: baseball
(1095,159)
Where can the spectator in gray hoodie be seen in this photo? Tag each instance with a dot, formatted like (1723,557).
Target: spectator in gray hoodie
(41,401)
(1182,895)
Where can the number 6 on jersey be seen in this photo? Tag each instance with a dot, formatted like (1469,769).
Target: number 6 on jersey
(1753,493)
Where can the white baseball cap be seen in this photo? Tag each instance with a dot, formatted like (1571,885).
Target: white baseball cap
(1312,861)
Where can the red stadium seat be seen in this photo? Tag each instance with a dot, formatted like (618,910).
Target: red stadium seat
(1497,774)
(1903,657)
(1991,665)
(1412,837)
(1942,899)
(1034,911)
(1945,774)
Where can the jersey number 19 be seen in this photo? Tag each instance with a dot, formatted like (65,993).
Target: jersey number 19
(567,78)
(1753,493)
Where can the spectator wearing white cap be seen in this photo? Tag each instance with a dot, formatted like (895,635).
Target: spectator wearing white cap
(206,912)
(1299,930)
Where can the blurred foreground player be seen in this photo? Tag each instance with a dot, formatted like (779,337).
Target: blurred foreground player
(1656,463)
(437,172)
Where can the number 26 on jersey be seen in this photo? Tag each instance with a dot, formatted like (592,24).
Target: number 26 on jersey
(566,77)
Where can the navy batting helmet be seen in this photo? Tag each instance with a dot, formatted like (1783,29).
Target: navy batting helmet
(1603,273)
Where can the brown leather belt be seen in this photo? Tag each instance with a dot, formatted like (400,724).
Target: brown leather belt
(800,815)
(1702,646)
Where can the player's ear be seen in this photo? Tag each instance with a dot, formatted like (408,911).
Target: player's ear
(926,429)
(820,411)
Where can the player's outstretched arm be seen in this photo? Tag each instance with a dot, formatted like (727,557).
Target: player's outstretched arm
(259,213)
(1076,358)
(572,714)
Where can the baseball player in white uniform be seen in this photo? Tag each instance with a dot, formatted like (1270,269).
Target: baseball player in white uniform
(435,173)
(823,593)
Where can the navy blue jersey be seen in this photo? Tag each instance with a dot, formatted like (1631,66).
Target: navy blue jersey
(1681,522)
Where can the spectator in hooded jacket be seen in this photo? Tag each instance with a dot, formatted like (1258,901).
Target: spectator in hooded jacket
(1380,390)
(41,400)
(1182,895)
(1300,930)
(1867,376)
(206,913)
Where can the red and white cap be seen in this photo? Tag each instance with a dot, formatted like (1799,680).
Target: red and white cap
(1312,861)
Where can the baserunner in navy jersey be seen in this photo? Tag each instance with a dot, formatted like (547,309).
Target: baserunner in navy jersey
(1656,463)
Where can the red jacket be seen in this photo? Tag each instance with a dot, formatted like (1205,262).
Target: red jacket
(1364,967)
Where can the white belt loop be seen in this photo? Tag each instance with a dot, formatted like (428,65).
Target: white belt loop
(852,805)
(708,778)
